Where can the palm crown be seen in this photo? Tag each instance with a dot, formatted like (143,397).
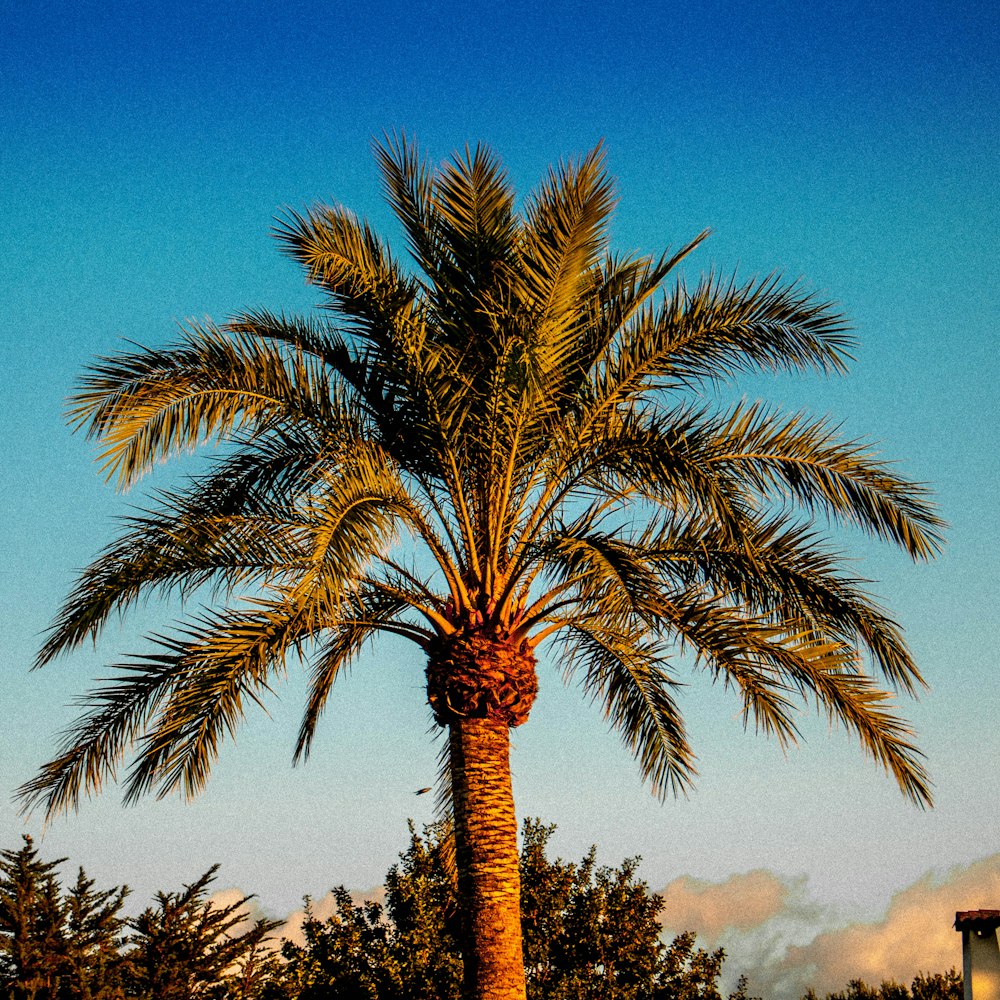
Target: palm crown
(527,407)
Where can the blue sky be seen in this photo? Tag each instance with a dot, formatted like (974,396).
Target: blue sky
(146,149)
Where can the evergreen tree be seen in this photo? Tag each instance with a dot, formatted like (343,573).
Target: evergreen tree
(422,904)
(591,933)
(685,972)
(93,928)
(260,972)
(32,945)
(938,986)
(185,948)
(346,956)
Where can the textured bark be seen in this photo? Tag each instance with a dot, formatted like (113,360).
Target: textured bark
(489,881)
(481,673)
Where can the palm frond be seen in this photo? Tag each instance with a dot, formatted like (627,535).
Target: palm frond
(150,405)
(620,288)
(444,811)
(659,457)
(785,573)
(368,611)
(663,457)
(93,747)
(474,201)
(767,663)
(566,232)
(346,258)
(624,673)
(746,653)
(178,548)
(351,524)
(222,662)
(274,468)
(311,336)
(804,460)
(408,183)
(851,697)
(606,571)
(722,329)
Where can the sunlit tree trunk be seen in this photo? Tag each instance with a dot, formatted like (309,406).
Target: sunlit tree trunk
(486,848)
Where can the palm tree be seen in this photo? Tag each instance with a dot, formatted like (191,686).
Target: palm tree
(525,407)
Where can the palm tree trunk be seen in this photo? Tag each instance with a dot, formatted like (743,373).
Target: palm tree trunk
(489,881)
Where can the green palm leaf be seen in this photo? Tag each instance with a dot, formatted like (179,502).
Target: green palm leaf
(623,673)
(802,459)
(151,405)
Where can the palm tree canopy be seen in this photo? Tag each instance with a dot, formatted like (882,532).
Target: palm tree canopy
(527,408)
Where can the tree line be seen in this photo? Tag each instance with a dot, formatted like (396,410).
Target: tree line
(590,931)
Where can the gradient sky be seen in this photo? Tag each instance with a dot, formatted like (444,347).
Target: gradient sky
(144,151)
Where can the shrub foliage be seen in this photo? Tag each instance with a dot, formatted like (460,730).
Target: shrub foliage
(590,932)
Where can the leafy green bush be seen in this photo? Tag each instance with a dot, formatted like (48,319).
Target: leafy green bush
(589,932)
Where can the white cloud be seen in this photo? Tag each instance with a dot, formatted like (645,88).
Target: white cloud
(326,906)
(916,934)
(786,942)
(709,908)
(755,916)
(251,912)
